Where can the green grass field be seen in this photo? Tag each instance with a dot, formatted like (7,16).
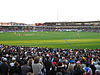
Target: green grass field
(89,40)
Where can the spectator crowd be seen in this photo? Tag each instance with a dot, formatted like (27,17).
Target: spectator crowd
(20,60)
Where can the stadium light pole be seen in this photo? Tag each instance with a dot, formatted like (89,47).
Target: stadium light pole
(57,14)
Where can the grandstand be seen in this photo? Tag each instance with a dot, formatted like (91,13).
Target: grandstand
(15,27)
(87,26)
(91,26)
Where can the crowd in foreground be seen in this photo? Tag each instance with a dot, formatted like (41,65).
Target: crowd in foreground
(18,60)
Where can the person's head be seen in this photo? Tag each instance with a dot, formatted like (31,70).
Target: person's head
(16,64)
(0,59)
(4,60)
(77,67)
(87,64)
(78,62)
(13,59)
(70,68)
(36,60)
(59,63)
(29,73)
(99,63)
(30,62)
(24,62)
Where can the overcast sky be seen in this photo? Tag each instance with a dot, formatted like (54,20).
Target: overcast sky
(33,11)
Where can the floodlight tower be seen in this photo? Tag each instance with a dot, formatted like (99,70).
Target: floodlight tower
(57,14)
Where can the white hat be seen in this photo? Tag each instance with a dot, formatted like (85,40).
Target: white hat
(7,55)
(13,58)
(4,59)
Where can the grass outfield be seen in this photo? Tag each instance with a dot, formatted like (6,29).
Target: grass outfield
(89,40)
